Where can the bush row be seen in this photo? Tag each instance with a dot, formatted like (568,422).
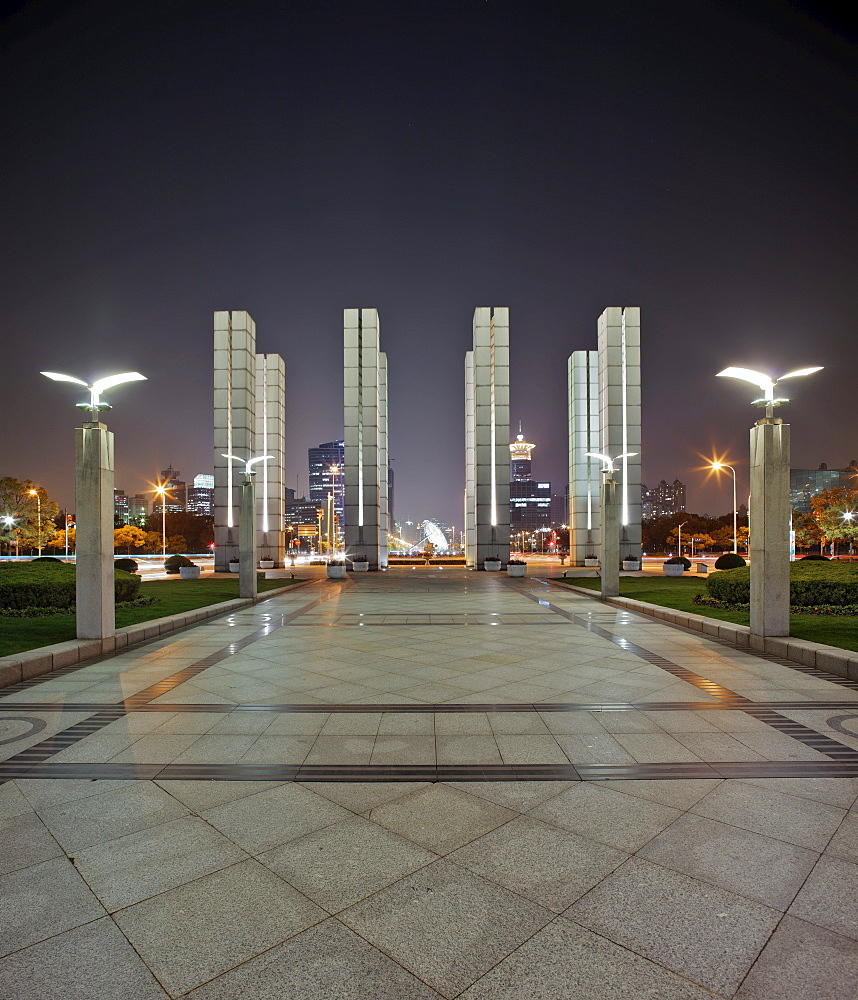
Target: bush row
(733,586)
(796,609)
(56,589)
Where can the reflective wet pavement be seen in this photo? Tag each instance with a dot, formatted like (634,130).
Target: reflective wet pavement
(430,783)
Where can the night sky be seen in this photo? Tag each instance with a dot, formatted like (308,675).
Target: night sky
(166,159)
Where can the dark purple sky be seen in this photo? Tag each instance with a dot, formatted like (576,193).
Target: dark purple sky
(166,159)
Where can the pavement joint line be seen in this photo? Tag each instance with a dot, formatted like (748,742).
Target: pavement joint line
(804,734)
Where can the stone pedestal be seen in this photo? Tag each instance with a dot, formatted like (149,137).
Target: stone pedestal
(770,527)
(247,541)
(94,515)
(610,517)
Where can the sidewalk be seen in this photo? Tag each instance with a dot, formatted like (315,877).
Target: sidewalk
(430,783)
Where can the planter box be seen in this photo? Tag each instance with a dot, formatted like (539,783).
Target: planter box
(673,569)
(189,572)
(360,566)
(335,572)
(266,564)
(631,565)
(233,566)
(592,563)
(516,570)
(492,565)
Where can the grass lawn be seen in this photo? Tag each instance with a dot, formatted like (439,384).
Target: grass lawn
(174,597)
(678,592)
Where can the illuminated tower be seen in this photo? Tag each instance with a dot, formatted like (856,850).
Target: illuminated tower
(519,457)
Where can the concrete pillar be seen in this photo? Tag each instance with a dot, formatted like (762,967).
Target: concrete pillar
(770,527)
(234,422)
(490,416)
(270,392)
(610,554)
(247,540)
(470,513)
(584,474)
(620,412)
(94,585)
(365,435)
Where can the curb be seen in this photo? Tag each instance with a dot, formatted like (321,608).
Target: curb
(842,662)
(31,663)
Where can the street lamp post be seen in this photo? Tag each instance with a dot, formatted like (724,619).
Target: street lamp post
(717,466)
(161,491)
(769,473)
(94,574)
(35,493)
(679,528)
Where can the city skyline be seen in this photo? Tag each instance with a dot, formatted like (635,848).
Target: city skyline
(693,161)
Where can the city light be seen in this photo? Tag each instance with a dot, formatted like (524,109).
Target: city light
(95,406)
(766,383)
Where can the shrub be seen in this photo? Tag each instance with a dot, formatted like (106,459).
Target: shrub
(815,558)
(516,562)
(172,564)
(810,585)
(46,559)
(730,560)
(52,585)
(128,565)
(676,560)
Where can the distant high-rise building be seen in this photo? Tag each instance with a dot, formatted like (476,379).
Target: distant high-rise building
(804,484)
(520,452)
(138,509)
(201,495)
(663,500)
(326,465)
(121,507)
(175,500)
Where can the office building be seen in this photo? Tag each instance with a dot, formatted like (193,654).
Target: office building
(201,495)
(804,484)
(663,500)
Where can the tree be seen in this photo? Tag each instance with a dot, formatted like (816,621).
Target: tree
(176,543)
(34,513)
(196,529)
(807,533)
(153,541)
(128,537)
(832,510)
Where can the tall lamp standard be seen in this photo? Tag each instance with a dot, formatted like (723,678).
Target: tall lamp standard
(610,561)
(679,528)
(94,573)
(770,513)
(718,466)
(161,491)
(35,493)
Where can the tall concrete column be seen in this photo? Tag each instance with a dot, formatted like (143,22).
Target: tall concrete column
(620,412)
(610,548)
(270,393)
(770,527)
(247,540)
(470,513)
(584,476)
(234,422)
(365,435)
(489,412)
(94,575)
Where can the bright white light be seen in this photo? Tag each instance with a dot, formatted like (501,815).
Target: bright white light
(98,386)
(765,382)
(248,471)
(609,462)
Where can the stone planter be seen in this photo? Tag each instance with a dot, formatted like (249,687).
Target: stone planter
(360,566)
(335,571)
(266,564)
(592,563)
(516,570)
(233,566)
(189,572)
(492,565)
(631,565)
(673,569)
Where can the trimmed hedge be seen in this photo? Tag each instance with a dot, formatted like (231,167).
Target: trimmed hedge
(730,560)
(127,564)
(52,585)
(172,564)
(677,560)
(810,584)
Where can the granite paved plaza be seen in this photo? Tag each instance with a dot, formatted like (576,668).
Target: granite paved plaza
(429,783)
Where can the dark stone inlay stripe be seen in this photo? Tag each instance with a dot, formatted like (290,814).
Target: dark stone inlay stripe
(440,772)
